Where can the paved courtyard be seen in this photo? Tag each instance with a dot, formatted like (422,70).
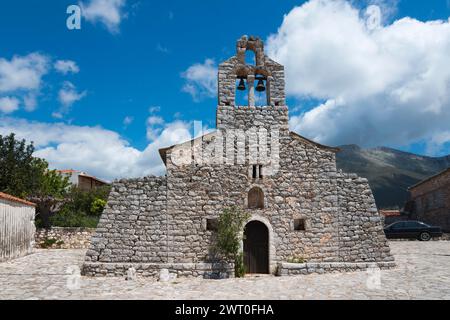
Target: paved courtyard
(423,272)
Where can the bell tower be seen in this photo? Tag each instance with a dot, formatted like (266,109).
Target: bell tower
(265,75)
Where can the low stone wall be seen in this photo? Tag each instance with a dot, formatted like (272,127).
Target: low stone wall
(291,269)
(64,238)
(202,270)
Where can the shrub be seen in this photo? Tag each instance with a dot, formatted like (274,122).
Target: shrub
(297,260)
(97,206)
(82,208)
(229,230)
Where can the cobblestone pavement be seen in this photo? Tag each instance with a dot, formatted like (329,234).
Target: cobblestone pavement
(423,272)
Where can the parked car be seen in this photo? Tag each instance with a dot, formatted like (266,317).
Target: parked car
(412,229)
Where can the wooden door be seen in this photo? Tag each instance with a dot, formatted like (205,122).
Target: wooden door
(256,248)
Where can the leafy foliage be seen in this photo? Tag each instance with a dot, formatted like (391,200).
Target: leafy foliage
(20,172)
(28,177)
(230,225)
(97,206)
(25,176)
(82,208)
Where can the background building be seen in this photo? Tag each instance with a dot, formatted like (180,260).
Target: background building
(430,200)
(16,227)
(82,179)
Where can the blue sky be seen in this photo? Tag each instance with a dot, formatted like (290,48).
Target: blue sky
(122,78)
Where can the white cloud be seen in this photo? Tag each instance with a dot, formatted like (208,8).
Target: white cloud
(21,78)
(96,150)
(154,127)
(8,104)
(108,12)
(154,109)
(201,80)
(128,120)
(66,66)
(23,73)
(388,85)
(30,102)
(68,94)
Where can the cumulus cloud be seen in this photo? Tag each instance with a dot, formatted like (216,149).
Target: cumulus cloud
(201,80)
(9,104)
(67,96)
(107,12)
(384,85)
(30,102)
(21,79)
(154,127)
(23,72)
(66,66)
(96,150)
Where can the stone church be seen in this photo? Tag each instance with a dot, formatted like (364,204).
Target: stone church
(306,216)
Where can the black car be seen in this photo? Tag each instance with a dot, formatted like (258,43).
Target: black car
(412,229)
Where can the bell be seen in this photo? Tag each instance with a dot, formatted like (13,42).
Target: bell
(241,85)
(260,86)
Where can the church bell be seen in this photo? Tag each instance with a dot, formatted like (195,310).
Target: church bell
(241,85)
(260,86)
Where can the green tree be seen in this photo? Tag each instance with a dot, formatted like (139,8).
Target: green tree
(230,226)
(20,172)
(50,195)
(26,176)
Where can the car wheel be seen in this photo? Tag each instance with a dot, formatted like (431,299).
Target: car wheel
(424,236)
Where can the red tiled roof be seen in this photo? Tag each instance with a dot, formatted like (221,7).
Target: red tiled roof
(15,199)
(390,213)
(67,171)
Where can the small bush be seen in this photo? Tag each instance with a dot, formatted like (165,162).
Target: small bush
(229,230)
(97,206)
(297,260)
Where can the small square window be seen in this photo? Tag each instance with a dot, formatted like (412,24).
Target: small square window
(212,224)
(299,225)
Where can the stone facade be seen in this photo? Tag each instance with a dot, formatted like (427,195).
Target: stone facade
(162,222)
(64,238)
(430,200)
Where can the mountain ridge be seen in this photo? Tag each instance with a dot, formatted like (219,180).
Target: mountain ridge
(390,171)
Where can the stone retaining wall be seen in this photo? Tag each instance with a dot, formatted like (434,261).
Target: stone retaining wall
(202,270)
(291,269)
(64,238)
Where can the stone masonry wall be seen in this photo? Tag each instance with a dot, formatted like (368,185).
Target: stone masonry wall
(361,234)
(244,118)
(64,238)
(306,186)
(132,227)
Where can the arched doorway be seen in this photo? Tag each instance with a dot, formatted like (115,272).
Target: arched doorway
(256,247)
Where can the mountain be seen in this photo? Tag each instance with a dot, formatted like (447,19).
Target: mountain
(390,172)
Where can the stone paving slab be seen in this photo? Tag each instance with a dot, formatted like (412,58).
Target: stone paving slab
(423,272)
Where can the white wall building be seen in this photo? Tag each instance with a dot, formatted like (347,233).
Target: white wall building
(17,227)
